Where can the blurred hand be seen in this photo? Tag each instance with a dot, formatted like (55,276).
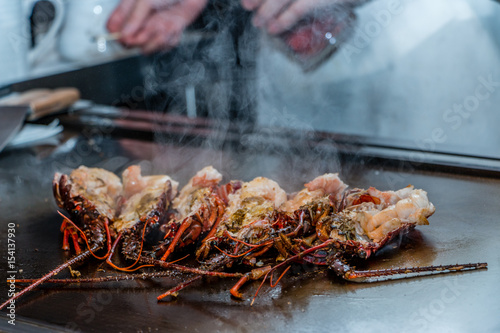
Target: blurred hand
(153,25)
(277,16)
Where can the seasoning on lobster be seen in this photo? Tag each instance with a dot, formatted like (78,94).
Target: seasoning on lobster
(251,226)
(145,205)
(198,212)
(89,195)
(339,225)
(109,213)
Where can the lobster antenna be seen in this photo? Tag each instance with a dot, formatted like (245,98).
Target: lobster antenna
(189,270)
(374,275)
(109,278)
(47,276)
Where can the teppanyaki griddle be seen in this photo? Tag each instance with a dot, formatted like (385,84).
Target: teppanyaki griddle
(463,229)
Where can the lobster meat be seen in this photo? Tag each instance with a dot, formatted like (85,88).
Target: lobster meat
(333,225)
(253,225)
(89,195)
(198,211)
(145,205)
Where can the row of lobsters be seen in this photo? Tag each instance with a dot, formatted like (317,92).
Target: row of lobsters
(147,221)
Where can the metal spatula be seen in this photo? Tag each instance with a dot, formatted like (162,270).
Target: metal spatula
(32,105)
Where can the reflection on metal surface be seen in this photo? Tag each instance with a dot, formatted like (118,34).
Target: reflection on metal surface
(308,298)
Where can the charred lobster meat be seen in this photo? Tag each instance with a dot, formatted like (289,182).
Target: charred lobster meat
(254,228)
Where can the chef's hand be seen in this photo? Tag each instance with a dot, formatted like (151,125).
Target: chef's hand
(277,16)
(153,25)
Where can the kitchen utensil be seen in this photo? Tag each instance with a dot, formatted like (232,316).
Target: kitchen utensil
(32,105)
(11,120)
(36,134)
(315,38)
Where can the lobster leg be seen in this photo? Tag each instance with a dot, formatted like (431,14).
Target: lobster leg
(74,237)
(265,271)
(47,276)
(69,232)
(215,219)
(66,236)
(350,273)
(179,287)
(235,289)
(184,225)
(255,274)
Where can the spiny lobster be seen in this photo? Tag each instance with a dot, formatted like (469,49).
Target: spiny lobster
(247,224)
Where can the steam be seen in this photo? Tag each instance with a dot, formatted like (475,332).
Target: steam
(230,76)
(372,85)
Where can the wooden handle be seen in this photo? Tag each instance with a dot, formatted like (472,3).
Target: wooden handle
(26,97)
(55,101)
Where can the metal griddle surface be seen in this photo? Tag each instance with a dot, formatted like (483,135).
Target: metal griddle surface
(465,228)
